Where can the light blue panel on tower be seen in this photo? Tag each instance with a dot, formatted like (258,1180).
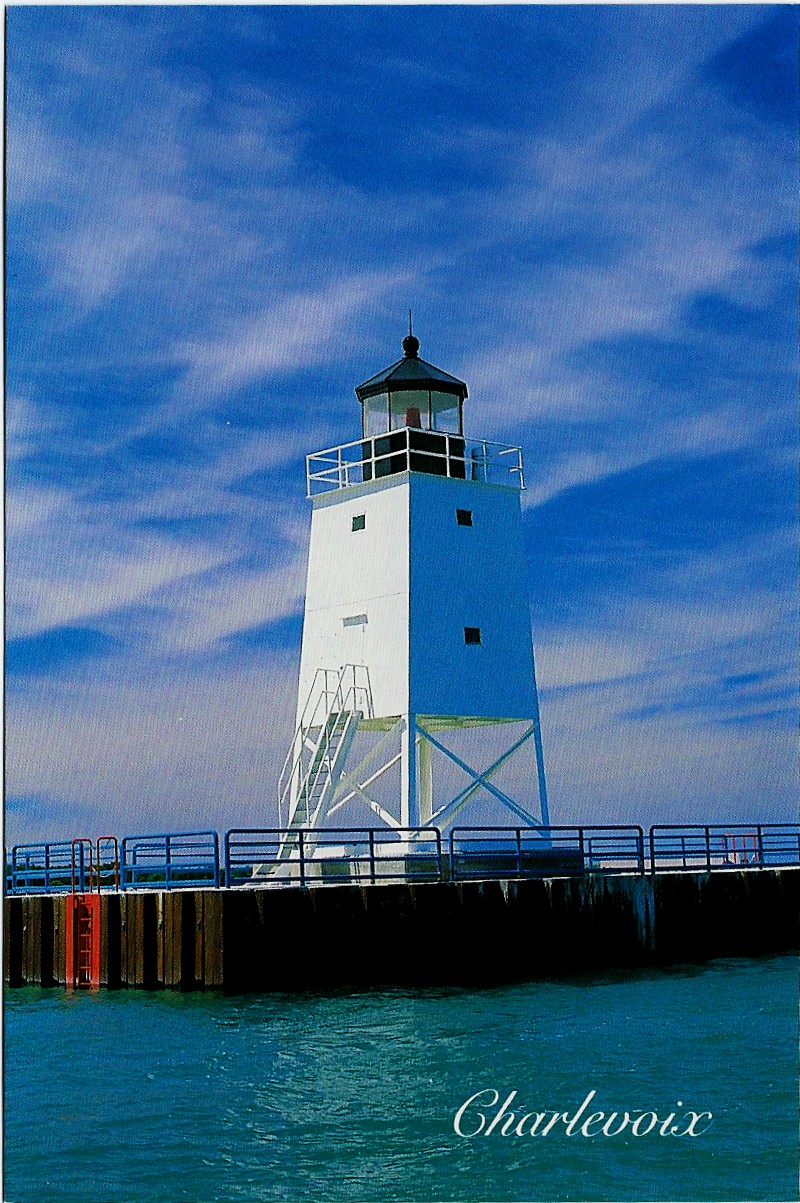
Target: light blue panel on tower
(468,576)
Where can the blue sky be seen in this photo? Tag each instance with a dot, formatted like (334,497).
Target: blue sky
(217,220)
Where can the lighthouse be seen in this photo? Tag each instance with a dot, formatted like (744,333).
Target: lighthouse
(416,625)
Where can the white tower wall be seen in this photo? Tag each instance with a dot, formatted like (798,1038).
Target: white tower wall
(360,574)
(396,596)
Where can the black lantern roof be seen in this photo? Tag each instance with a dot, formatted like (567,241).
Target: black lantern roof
(411,373)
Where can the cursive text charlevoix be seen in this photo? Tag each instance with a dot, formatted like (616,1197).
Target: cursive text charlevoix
(480,1116)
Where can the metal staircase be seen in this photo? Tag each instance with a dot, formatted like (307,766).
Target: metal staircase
(323,770)
(338,700)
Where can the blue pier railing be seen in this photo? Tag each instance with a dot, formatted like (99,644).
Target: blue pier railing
(188,859)
(510,852)
(271,856)
(723,846)
(41,868)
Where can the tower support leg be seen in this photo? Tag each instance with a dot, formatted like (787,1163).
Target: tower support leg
(537,743)
(425,779)
(409,803)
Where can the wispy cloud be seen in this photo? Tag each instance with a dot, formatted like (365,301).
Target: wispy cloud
(91,586)
(200,749)
(694,436)
(295,331)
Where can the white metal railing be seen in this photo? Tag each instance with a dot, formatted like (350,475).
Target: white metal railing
(413,450)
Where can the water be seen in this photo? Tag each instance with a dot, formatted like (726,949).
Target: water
(158,1097)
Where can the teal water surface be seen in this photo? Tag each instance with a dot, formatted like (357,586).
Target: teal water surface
(163,1097)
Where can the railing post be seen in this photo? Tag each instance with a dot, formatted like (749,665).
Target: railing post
(47,866)
(116,864)
(372,855)
(581,850)
(640,849)
(227,847)
(708,849)
(168,861)
(216,861)
(452,855)
(760,847)
(98,852)
(301,849)
(519,851)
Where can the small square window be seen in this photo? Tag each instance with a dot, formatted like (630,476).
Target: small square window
(464,517)
(472,634)
(359,521)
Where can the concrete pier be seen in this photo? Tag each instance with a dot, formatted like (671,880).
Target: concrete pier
(438,933)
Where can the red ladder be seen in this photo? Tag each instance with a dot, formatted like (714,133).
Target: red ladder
(83,941)
(82,951)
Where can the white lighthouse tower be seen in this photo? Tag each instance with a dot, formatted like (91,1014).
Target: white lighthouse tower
(416,621)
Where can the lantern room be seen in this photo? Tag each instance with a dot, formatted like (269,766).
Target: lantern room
(415,397)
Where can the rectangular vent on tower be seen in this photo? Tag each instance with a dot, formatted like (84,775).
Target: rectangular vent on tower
(359,521)
(356,620)
(464,517)
(472,634)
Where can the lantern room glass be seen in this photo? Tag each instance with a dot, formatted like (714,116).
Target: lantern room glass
(375,415)
(409,407)
(445,412)
(416,409)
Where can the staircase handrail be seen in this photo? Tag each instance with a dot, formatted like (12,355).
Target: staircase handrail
(295,752)
(305,723)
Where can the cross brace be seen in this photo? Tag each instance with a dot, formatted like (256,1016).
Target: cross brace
(481,779)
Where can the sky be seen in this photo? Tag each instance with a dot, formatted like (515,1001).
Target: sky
(217,220)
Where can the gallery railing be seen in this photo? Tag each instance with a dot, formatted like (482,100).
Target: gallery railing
(432,452)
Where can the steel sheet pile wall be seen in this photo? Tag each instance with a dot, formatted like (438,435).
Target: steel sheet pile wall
(437,933)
